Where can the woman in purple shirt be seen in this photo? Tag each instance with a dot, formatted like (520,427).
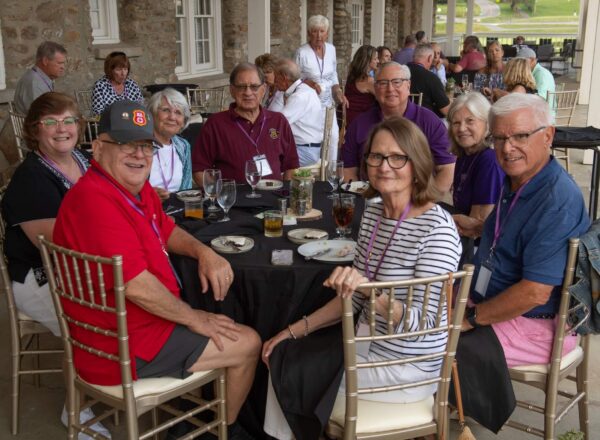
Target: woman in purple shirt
(477,176)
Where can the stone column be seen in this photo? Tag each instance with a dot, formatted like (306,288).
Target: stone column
(235,33)
(286,33)
(342,26)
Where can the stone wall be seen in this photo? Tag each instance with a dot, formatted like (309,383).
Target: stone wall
(286,27)
(342,27)
(235,33)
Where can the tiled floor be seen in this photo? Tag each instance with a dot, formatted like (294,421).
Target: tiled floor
(41,407)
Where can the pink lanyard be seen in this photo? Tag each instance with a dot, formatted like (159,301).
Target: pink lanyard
(48,84)
(320,65)
(166,182)
(252,141)
(372,241)
(54,166)
(498,226)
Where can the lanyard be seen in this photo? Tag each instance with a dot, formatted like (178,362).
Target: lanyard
(152,223)
(166,182)
(54,166)
(48,84)
(498,226)
(319,64)
(372,241)
(252,141)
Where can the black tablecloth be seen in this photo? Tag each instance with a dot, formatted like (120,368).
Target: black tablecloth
(262,296)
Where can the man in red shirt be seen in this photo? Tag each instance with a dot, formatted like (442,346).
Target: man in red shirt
(244,132)
(113,210)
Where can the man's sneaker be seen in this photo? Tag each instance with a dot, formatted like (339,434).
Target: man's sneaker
(84,416)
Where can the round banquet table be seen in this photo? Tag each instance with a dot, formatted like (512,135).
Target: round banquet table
(262,296)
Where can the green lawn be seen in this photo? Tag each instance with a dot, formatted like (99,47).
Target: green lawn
(563,14)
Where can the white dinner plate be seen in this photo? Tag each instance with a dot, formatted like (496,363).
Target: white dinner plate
(336,246)
(218,244)
(190,194)
(298,236)
(357,187)
(269,185)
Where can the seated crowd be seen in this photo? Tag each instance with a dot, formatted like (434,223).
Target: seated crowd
(513,210)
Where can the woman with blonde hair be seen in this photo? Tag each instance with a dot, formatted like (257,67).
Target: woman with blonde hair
(517,78)
(273,100)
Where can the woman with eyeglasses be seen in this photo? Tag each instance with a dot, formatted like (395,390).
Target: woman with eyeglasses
(115,85)
(172,163)
(360,90)
(52,129)
(403,234)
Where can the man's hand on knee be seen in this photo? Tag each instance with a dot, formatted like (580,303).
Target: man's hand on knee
(215,327)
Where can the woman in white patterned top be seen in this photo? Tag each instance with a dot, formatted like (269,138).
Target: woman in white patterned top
(404,235)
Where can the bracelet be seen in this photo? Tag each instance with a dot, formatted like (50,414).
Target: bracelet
(291,332)
(305,325)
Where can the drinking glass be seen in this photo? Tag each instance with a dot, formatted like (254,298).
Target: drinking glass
(465,82)
(226,196)
(209,180)
(273,223)
(343,211)
(253,173)
(335,174)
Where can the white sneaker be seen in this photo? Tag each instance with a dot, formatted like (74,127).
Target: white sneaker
(84,416)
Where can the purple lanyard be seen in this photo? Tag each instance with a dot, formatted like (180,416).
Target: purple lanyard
(152,223)
(252,141)
(320,65)
(498,226)
(166,182)
(48,84)
(54,165)
(372,241)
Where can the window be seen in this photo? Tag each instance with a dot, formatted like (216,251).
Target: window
(198,37)
(105,21)
(357,24)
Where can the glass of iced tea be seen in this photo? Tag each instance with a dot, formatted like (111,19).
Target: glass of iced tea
(343,212)
(194,208)
(273,222)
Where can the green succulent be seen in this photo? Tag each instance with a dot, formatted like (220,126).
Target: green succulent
(571,435)
(303,173)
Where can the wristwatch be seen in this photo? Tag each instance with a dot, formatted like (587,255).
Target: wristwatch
(471,315)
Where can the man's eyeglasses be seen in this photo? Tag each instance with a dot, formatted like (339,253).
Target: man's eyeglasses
(516,140)
(395,161)
(384,83)
(51,122)
(130,148)
(243,87)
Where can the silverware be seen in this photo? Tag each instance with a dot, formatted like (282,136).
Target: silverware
(232,245)
(317,254)
(348,185)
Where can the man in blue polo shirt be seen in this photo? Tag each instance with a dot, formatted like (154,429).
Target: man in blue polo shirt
(392,89)
(520,262)
(523,250)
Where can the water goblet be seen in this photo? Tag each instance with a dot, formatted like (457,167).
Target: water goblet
(335,174)
(343,212)
(226,193)
(253,174)
(210,178)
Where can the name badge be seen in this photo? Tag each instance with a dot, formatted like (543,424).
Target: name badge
(265,168)
(362,348)
(483,279)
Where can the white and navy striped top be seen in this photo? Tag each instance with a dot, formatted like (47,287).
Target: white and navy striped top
(423,246)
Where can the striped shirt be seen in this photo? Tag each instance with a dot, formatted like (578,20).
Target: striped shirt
(423,246)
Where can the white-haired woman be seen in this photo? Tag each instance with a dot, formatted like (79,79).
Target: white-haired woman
(318,65)
(172,164)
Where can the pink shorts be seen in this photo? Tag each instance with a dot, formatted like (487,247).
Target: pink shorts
(529,341)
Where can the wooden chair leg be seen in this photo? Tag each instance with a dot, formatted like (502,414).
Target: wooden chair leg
(36,360)
(583,386)
(16,385)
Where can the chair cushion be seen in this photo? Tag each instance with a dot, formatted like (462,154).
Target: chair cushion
(23,317)
(567,360)
(143,387)
(383,416)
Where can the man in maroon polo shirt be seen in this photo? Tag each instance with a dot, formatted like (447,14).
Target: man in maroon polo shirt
(113,210)
(244,132)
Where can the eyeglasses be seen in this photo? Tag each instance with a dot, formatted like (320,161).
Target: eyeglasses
(384,83)
(51,122)
(395,161)
(516,140)
(129,148)
(244,87)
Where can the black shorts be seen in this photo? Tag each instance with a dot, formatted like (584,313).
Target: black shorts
(176,357)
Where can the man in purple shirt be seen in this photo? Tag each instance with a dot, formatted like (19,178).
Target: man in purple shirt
(245,132)
(392,88)
(405,55)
